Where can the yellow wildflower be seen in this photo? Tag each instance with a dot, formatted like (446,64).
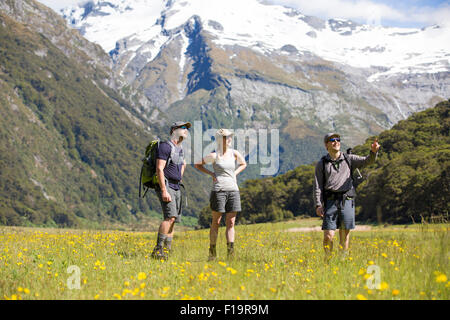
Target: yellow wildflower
(383,286)
(142,276)
(441,278)
(232,271)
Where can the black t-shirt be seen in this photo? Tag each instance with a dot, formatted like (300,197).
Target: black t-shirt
(172,171)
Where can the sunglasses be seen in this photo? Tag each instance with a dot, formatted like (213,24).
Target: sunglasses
(183,127)
(335,139)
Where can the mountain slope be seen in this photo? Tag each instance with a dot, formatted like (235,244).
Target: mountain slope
(66,141)
(70,149)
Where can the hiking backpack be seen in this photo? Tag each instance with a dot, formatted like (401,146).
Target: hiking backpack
(148,177)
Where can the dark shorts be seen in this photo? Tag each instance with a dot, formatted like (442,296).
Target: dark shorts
(174,207)
(339,219)
(225,201)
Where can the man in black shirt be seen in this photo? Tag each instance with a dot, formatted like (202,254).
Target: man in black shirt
(170,165)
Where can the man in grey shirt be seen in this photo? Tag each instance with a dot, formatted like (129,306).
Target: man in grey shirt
(334,192)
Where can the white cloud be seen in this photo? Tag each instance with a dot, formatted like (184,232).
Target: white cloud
(371,12)
(363,11)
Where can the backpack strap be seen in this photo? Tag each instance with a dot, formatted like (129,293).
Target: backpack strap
(172,147)
(140,182)
(324,159)
(349,163)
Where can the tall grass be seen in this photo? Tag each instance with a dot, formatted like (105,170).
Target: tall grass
(270,263)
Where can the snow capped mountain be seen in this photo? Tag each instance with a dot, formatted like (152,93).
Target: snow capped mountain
(268,28)
(106,22)
(261,65)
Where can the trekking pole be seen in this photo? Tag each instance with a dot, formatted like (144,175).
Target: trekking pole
(140,182)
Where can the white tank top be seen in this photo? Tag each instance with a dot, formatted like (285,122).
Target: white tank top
(224,170)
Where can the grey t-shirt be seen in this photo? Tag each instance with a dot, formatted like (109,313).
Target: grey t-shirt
(337,174)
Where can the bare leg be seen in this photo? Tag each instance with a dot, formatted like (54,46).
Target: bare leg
(166,227)
(328,241)
(344,237)
(214,230)
(229,233)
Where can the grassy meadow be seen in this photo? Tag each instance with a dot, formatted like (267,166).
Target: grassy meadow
(272,262)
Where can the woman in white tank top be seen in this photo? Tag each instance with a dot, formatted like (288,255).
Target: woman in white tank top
(225,197)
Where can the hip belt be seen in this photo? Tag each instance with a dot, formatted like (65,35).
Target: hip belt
(173,181)
(339,197)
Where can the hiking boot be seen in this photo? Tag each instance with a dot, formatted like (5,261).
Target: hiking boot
(159,254)
(212,253)
(230,251)
(168,245)
(166,253)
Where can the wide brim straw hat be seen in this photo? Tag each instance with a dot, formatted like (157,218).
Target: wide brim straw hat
(223,133)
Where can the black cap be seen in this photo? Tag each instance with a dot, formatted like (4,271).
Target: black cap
(178,124)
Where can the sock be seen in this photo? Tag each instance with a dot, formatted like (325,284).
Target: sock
(168,243)
(212,251)
(230,249)
(160,240)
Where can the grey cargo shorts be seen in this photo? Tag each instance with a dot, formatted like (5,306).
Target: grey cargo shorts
(174,207)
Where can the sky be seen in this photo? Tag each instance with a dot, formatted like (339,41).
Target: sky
(399,13)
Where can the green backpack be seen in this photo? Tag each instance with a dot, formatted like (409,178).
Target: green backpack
(148,177)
